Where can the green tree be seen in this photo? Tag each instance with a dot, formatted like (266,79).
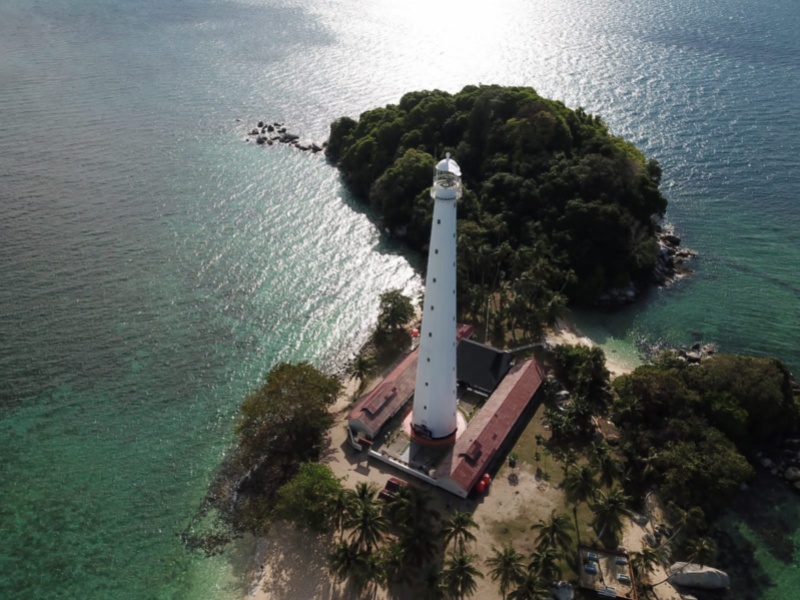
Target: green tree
(342,560)
(395,310)
(459,574)
(702,550)
(610,510)
(342,506)
(432,585)
(308,498)
(536,175)
(580,486)
(395,560)
(530,587)
(583,371)
(367,523)
(359,367)
(419,543)
(610,468)
(507,567)
(412,506)
(393,193)
(418,524)
(368,571)
(457,529)
(544,562)
(282,425)
(644,561)
(288,415)
(340,129)
(554,532)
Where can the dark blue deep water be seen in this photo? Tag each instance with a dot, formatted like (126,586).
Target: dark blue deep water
(153,266)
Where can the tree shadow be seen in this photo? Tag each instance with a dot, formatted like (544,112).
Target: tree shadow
(296,565)
(765,517)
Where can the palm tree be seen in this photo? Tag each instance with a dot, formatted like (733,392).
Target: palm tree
(459,575)
(432,588)
(609,468)
(419,543)
(580,486)
(543,563)
(609,510)
(341,507)
(554,532)
(394,560)
(701,550)
(506,567)
(412,506)
(368,570)
(417,522)
(366,520)
(649,465)
(457,528)
(530,587)
(644,561)
(342,560)
(365,491)
(359,367)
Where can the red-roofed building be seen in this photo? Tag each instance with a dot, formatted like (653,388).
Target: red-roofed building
(376,408)
(482,442)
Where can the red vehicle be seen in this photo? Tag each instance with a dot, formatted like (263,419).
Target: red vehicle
(388,493)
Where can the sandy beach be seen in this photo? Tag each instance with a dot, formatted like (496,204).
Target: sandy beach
(291,564)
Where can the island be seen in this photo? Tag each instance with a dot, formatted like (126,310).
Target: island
(611,484)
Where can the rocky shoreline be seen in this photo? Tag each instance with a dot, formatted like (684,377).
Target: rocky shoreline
(671,265)
(783,462)
(266,134)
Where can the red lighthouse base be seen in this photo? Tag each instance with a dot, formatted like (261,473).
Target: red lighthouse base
(449,440)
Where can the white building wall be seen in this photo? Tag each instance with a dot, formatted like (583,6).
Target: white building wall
(435,401)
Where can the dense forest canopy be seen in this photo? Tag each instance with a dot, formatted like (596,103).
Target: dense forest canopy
(554,207)
(692,428)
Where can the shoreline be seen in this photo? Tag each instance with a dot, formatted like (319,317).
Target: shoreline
(274,572)
(567,331)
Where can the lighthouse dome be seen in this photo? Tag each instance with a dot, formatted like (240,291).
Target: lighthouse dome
(448,165)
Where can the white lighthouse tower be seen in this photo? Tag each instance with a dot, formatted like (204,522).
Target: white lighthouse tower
(434,415)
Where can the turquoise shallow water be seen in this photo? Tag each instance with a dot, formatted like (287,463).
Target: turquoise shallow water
(153,265)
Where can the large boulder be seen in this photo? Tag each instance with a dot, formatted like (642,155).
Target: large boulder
(693,356)
(698,576)
(792,474)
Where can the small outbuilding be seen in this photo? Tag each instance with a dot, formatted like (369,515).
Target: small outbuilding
(481,368)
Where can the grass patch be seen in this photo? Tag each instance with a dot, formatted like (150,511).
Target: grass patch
(514,531)
(534,448)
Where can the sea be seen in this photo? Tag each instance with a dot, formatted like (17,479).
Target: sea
(154,265)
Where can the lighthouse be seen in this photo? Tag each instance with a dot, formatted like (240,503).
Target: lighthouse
(434,414)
